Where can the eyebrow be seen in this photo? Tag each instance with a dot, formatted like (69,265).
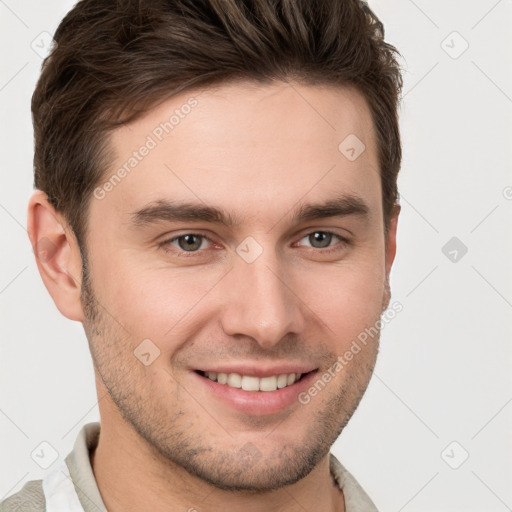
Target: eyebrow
(174,211)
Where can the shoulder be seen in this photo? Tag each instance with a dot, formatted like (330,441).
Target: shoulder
(29,499)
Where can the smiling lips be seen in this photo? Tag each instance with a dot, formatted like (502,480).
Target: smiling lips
(251,383)
(255,390)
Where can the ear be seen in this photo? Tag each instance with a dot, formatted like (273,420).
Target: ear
(390,252)
(57,255)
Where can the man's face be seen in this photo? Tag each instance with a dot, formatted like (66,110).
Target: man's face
(278,289)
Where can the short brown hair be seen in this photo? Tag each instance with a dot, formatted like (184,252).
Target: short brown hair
(115,60)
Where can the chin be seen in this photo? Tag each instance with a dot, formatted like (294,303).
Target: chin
(254,475)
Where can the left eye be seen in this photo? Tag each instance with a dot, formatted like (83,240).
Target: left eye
(321,239)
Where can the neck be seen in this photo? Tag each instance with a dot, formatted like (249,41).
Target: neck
(132,476)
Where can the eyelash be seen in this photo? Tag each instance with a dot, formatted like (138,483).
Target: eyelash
(166,244)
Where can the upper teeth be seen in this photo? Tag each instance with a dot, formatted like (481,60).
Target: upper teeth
(249,383)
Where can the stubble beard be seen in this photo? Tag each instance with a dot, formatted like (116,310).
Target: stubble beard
(177,443)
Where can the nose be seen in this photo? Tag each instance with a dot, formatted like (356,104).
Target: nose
(259,301)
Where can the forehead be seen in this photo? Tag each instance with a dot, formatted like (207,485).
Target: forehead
(261,148)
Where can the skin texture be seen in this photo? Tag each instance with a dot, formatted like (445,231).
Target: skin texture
(258,152)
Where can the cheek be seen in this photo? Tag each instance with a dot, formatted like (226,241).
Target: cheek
(152,301)
(347,298)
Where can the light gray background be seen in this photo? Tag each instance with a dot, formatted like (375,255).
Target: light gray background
(444,372)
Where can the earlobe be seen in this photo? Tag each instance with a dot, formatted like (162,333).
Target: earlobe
(57,255)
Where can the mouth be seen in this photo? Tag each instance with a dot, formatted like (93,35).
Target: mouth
(255,392)
(253,383)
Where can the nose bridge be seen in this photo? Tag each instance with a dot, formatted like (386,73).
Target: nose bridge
(259,302)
